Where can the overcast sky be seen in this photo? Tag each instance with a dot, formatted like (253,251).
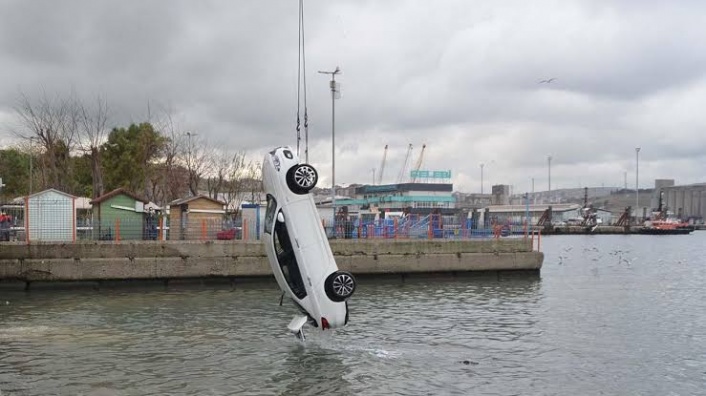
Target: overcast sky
(462,77)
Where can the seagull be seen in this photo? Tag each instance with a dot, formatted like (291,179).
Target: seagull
(547,81)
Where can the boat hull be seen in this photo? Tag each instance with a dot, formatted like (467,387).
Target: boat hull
(666,231)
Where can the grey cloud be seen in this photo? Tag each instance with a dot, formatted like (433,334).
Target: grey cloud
(461,77)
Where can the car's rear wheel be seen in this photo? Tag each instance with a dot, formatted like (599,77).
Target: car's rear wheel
(302,178)
(339,286)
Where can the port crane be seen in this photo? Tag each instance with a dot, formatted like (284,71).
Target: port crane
(382,166)
(418,165)
(401,177)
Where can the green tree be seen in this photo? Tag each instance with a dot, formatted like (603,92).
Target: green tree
(82,181)
(14,171)
(130,155)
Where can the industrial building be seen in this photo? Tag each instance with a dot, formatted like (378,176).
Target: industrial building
(687,202)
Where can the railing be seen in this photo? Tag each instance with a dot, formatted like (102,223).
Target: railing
(431,227)
(126,229)
(426,227)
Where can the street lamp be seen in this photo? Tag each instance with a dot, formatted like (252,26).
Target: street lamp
(549,177)
(481,178)
(332,84)
(549,171)
(189,134)
(637,186)
(31,153)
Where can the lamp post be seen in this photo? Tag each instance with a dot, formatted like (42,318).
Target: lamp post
(637,186)
(549,172)
(549,177)
(189,161)
(481,178)
(625,177)
(189,134)
(31,163)
(31,154)
(332,84)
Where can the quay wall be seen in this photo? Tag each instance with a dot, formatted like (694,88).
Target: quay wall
(96,261)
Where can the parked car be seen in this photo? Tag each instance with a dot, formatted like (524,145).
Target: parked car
(297,246)
(230,233)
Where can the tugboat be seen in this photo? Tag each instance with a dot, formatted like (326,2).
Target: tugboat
(662,224)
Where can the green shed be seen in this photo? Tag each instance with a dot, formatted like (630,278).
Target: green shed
(119,215)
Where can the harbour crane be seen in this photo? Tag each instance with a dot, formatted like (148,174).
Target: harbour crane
(382,167)
(418,165)
(401,177)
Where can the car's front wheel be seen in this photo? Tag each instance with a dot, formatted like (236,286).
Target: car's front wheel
(302,178)
(339,286)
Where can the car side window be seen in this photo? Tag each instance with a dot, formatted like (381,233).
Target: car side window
(270,213)
(287,259)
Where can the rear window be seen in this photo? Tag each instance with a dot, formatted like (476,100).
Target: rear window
(270,213)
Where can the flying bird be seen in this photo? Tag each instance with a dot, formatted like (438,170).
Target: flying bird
(547,81)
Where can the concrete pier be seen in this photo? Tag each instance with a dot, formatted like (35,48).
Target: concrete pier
(104,261)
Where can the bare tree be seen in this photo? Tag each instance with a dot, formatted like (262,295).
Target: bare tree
(170,183)
(254,177)
(230,180)
(217,180)
(53,123)
(197,157)
(92,132)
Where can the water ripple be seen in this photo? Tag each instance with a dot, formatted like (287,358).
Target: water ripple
(609,315)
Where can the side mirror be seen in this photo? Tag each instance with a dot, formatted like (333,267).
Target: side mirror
(280,217)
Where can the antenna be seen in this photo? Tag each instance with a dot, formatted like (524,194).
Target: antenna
(335,94)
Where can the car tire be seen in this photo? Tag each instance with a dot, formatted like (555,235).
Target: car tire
(302,178)
(339,286)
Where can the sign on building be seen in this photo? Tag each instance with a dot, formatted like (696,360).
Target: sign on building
(427,174)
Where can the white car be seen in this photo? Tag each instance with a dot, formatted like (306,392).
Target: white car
(297,246)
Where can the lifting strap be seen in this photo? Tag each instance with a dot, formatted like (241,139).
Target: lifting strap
(301,87)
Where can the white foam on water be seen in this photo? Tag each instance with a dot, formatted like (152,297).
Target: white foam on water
(329,341)
(381,353)
(23,331)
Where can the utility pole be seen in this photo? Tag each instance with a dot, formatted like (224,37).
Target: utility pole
(549,171)
(625,176)
(637,185)
(481,177)
(334,91)
(31,165)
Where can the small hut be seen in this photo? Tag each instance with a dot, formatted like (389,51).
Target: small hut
(50,216)
(198,217)
(119,215)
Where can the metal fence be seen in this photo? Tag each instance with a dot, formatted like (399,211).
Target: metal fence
(122,229)
(158,228)
(424,227)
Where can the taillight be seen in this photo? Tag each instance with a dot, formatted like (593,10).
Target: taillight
(324,324)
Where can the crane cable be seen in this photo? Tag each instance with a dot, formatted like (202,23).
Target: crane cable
(301,81)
